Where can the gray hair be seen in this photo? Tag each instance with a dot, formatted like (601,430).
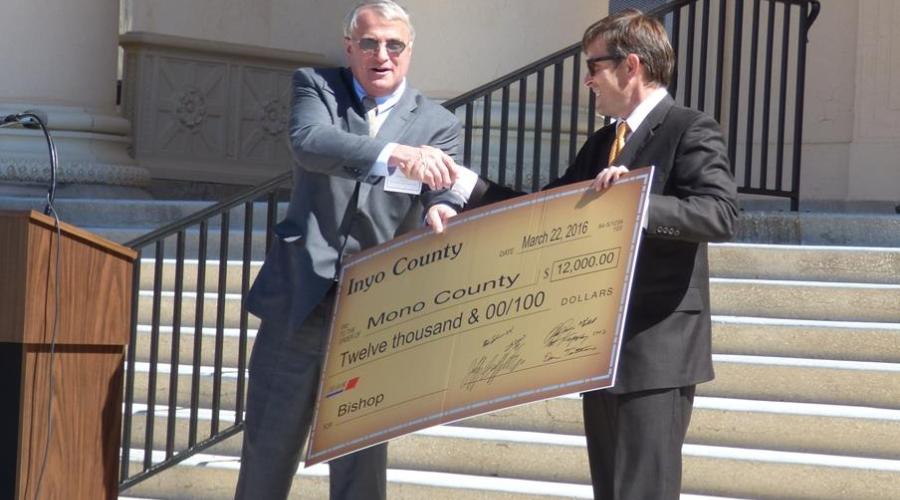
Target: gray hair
(386,9)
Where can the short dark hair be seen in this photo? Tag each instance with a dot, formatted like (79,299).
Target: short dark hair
(633,32)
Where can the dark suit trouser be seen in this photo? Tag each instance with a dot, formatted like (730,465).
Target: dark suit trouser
(284,378)
(634,442)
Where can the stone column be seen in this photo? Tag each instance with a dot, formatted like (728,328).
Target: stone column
(60,57)
(873,171)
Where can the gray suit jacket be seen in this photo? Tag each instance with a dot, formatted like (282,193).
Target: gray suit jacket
(333,152)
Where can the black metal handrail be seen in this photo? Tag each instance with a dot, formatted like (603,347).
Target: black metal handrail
(153,247)
(702,80)
(709,37)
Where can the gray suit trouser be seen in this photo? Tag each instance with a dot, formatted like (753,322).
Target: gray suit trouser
(284,378)
(634,442)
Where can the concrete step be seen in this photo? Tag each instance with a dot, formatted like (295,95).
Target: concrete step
(465,450)
(854,383)
(850,383)
(708,469)
(829,340)
(213,476)
(206,385)
(504,456)
(822,228)
(180,431)
(143,214)
(843,340)
(231,301)
(753,225)
(84,212)
(192,241)
(788,427)
(727,260)
(805,263)
(850,302)
(855,431)
(230,345)
(233,274)
(806,300)
(756,473)
(735,261)
(773,425)
(839,395)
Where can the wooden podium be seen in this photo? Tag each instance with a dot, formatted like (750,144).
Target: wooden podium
(93,309)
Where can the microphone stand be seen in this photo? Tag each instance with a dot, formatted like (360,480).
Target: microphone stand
(28,119)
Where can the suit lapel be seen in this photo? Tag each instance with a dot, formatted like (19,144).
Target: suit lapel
(400,117)
(355,118)
(644,133)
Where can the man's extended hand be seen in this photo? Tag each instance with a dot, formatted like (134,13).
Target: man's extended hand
(607,177)
(437,217)
(427,164)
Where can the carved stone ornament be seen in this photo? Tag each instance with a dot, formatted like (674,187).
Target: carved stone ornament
(273,117)
(29,170)
(191,108)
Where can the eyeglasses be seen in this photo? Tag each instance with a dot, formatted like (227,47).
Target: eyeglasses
(593,60)
(370,46)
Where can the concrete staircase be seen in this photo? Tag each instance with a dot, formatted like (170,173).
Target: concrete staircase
(806,402)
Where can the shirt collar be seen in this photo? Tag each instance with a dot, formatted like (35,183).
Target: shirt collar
(383,103)
(643,109)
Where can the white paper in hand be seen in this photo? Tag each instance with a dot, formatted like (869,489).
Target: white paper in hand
(396,182)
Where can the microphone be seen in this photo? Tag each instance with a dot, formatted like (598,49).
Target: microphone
(30,119)
(35,119)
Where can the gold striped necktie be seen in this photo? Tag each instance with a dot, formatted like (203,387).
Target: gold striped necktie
(371,112)
(621,131)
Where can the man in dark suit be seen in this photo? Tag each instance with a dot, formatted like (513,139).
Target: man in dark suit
(635,430)
(360,138)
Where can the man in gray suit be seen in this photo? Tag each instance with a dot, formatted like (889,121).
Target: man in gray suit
(364,142)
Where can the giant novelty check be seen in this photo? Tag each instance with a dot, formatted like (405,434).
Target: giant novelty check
(514,303)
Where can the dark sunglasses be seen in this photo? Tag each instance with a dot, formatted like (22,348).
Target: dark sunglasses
(594,60)
(370,46)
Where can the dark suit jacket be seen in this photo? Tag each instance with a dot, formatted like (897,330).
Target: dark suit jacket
(333,151)
(667,340)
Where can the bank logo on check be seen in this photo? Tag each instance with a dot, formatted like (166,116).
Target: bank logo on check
(338,389)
